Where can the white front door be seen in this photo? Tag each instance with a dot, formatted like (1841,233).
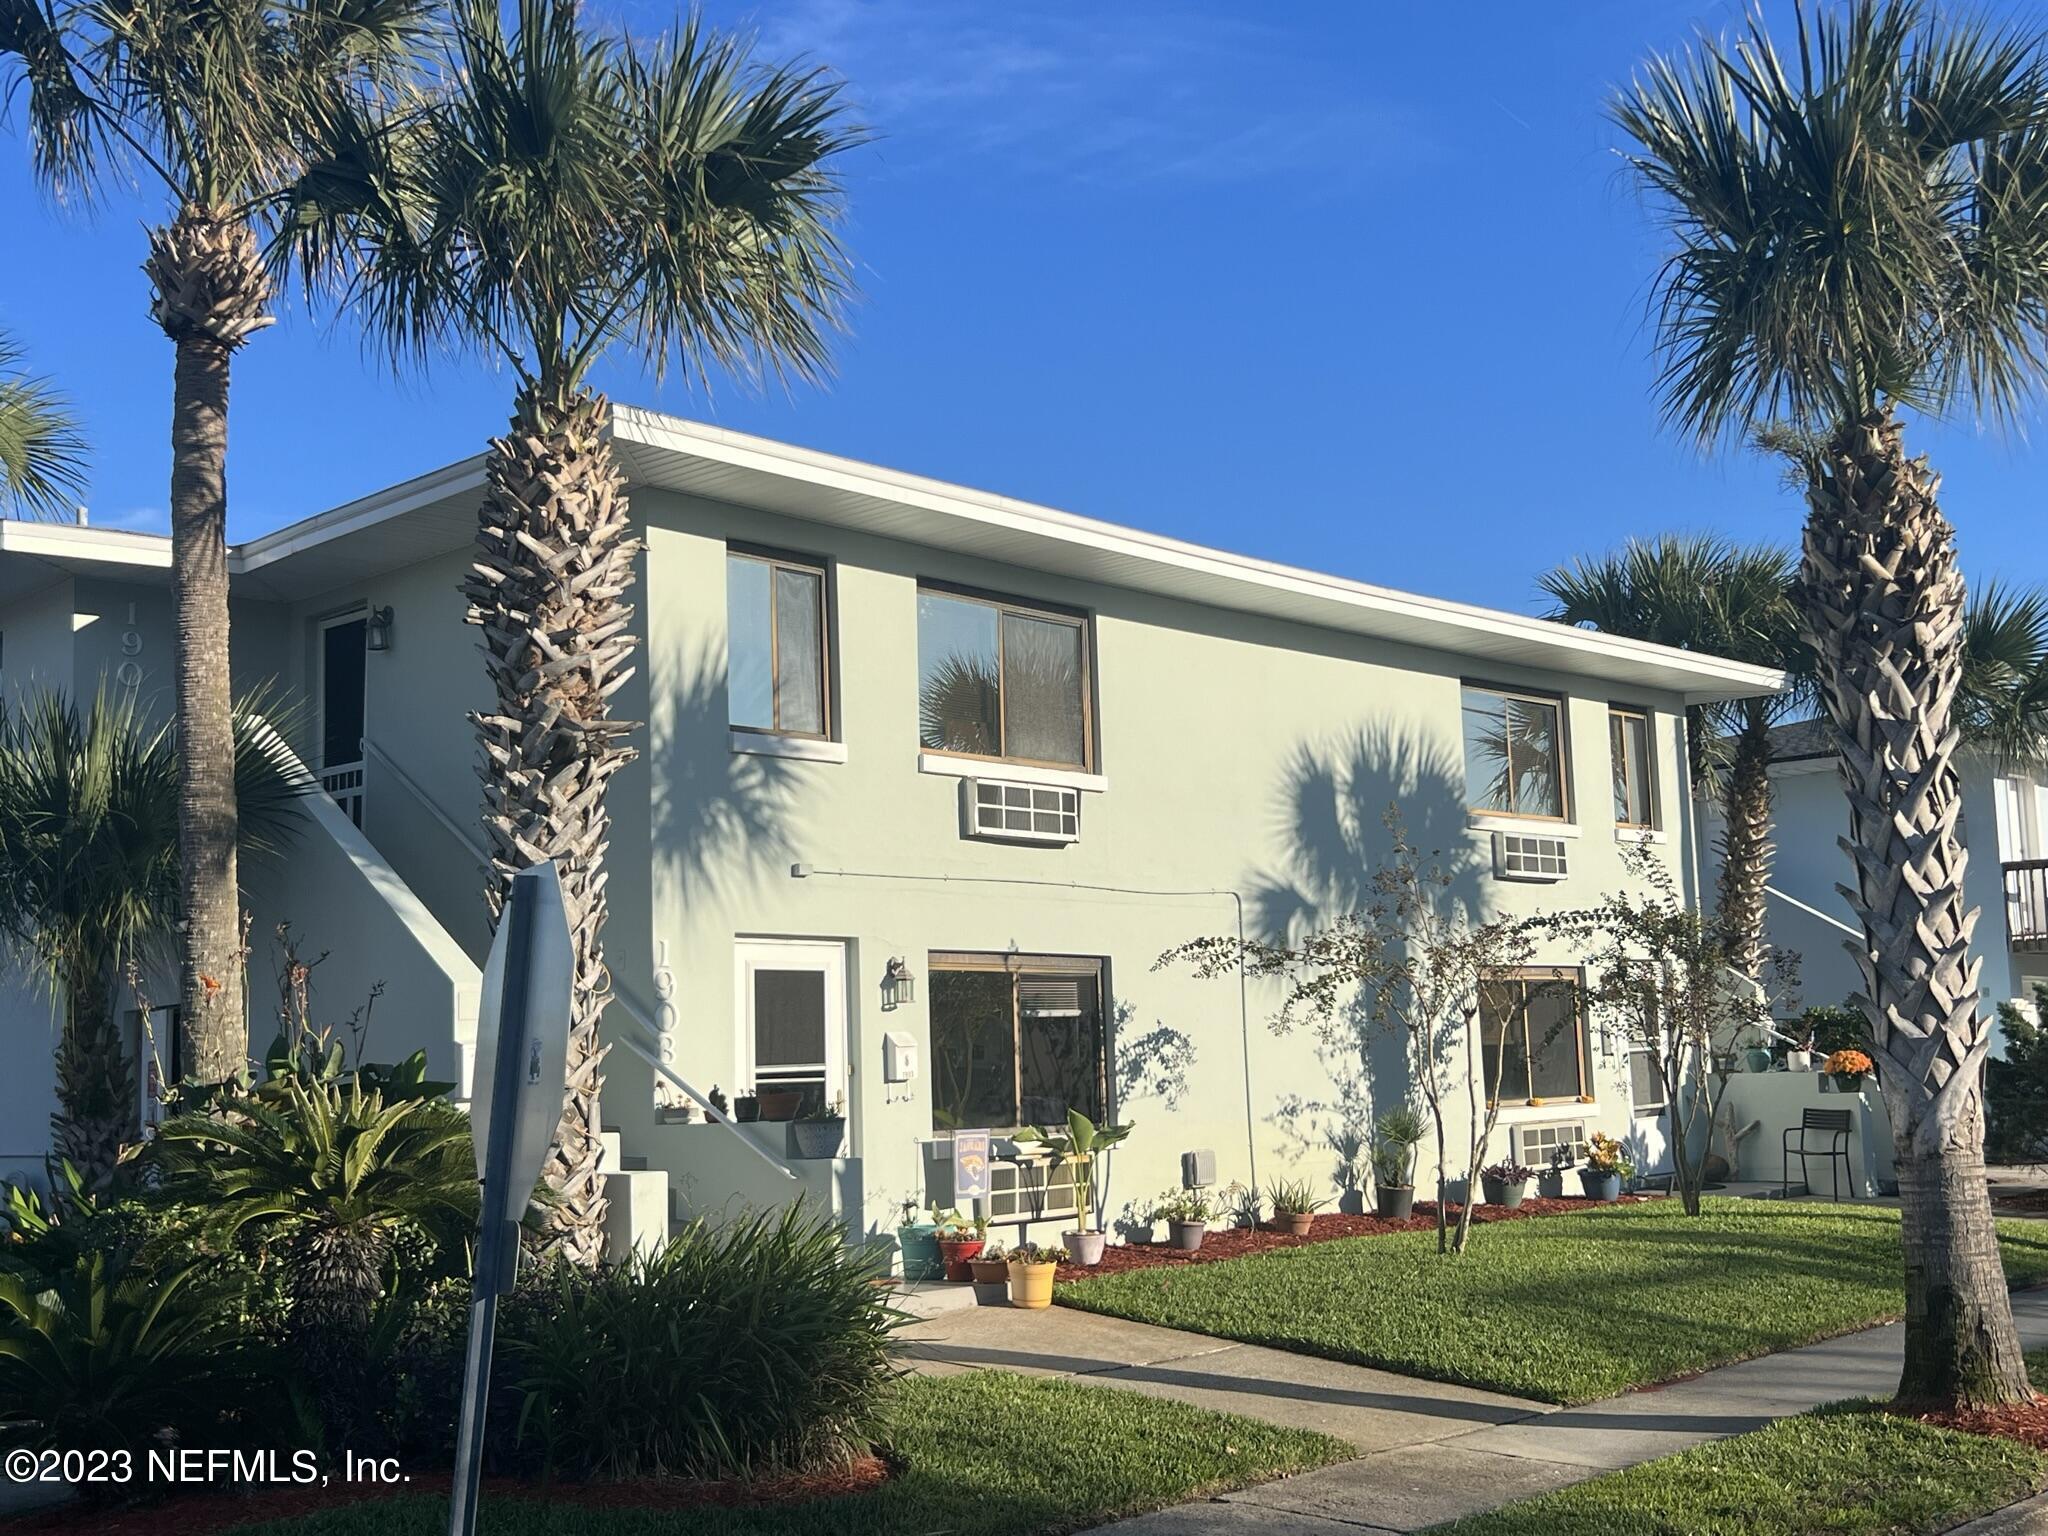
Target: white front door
(791,996)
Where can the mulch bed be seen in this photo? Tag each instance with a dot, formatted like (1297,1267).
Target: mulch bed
(2025,1202)
(1236,1242)
(204,1514)
(2027,1422)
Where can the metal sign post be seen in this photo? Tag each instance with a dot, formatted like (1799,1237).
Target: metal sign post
(521,1074)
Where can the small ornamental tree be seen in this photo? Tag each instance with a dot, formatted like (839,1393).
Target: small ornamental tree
(1659,973)
(1413,963)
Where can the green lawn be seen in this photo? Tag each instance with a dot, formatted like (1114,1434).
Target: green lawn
(1839,1473)
(1560,1308)
(988,1453)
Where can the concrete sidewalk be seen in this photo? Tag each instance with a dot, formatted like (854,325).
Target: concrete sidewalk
(1484,1449)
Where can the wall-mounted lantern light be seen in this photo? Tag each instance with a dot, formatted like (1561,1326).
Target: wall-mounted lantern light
(377,631)
(899,987)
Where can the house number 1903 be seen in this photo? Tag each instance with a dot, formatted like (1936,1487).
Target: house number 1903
(129,673)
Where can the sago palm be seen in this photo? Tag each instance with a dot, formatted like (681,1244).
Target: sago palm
(1860,229)
(42,451)
(89,878)
(562,192)
(218,107)
(1702,593)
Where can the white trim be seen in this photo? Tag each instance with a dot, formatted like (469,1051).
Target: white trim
(805,749)
(1490,822)
(1650,835)
(827,956)
(1014,773)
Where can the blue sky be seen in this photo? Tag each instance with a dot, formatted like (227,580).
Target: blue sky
(1354,287)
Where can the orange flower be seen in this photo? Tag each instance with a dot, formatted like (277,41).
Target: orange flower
(1847,1063)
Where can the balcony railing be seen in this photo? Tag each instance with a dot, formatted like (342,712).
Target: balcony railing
(344,785)
(2026,905)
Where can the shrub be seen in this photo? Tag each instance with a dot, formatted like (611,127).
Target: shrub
(752,1347)
(111,1354)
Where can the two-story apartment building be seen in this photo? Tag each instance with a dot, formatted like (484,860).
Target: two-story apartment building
(929,779)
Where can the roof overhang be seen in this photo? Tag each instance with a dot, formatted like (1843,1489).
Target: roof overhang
(435,513)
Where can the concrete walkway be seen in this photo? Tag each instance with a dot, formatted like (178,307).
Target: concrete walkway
(1484,1449)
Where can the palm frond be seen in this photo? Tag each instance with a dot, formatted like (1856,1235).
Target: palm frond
(1861,227)
(42,449)
(2002,705)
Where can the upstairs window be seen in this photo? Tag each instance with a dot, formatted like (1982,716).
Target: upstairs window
(1000,680)
(1514,752)
(1635,801)
(775,645)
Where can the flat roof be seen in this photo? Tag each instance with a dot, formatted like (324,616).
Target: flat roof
(435,513)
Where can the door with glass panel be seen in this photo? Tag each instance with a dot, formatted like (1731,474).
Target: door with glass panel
(792,1017)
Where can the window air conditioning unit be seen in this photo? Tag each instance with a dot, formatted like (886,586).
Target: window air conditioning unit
(1529,856)
(1022,813)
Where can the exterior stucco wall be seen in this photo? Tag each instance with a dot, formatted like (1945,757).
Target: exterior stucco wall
(1240,754)
(36,643)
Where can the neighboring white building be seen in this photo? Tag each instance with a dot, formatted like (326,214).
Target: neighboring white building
(836,867)
(2004,823)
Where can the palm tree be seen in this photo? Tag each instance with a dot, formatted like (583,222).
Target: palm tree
(1702,593)
(2002,701)
(560,193)
(89,879)
(42,452)
(219,106)
(1854,233)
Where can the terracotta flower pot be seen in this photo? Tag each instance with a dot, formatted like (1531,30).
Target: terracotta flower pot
(957,1253)
(1031,1285)
(1084,1248)
(780,1103)
(989,1271)
(1297,1222)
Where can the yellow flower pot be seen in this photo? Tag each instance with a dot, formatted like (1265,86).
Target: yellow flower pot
(1031,1285)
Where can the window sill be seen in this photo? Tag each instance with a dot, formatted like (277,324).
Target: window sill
(1015,773)
(1491,821)
(803,748)
(1651,835)
(1549,1109)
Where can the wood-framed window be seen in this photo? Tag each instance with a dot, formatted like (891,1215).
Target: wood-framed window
(1631,741)
(1003,680)
(1016,1040)
(1532,1035)
(778,644)
(1515,760)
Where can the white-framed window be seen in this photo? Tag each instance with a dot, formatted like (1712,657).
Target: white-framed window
(1515,761)
(791,999)
(778,675)
(1003,680)
(1631,740)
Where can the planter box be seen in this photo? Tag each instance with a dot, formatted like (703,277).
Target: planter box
(816,1140)
(782,1104)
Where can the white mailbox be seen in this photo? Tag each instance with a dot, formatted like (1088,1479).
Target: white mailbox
(899,1057)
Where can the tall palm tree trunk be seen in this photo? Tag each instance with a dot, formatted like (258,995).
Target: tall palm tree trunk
(95,1098)
(1746,846)
(211,293)
(1884,602)
(553,563)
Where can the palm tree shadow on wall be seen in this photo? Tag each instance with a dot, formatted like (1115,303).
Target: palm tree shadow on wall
(1331,811)
(721,819)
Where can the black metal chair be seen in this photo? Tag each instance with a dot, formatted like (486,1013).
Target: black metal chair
(1833,1124)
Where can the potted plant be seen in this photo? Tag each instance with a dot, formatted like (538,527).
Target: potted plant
(819,1133)
(919,1242)
(717,1098)
(1246,1206)
(1187,1214)
(1847,1068)
(1294,1204)
(1078,1146)
(1031,1270)
(747,1108)
(960,1238)
(779,1103)
(1607,1165)
(1505,1183)
(1395,1137)
(990,1268)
